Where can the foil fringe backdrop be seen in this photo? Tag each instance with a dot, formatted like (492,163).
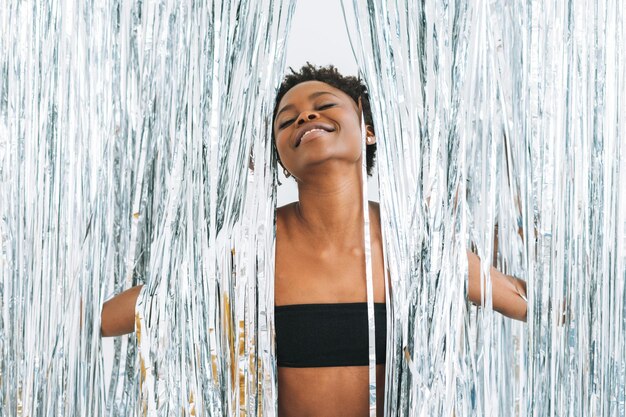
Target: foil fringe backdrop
(501,122)
(107,180)
(369,283)
(134,147)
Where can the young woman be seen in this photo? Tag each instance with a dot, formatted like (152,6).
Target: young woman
(320,294)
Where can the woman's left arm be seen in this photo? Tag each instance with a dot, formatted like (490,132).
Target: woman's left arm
(508,293)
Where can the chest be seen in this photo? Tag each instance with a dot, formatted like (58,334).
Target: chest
(308,273)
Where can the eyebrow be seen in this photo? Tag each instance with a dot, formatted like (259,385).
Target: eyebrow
(312,96)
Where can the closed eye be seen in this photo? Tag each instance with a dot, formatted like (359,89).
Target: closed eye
(286,123)
(290,121)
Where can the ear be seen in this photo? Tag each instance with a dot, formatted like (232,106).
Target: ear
(369,130)
(371,136)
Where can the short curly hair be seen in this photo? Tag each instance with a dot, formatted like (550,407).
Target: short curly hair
(351,85)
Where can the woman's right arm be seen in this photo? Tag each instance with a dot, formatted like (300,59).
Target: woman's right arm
(118,313)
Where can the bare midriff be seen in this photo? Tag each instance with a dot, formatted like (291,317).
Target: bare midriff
(328,391)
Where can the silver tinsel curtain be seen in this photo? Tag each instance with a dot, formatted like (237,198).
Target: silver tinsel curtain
(501,127)
(134,148)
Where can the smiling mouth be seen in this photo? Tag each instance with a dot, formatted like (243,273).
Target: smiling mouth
(307,134)
(312,131)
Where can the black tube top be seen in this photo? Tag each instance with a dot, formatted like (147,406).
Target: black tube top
(319,335)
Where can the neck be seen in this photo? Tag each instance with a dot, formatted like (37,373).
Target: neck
(330,208)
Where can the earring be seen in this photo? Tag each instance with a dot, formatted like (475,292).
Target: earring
(370,139)
(287,173)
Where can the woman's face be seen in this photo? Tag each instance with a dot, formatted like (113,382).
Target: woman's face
(316,125)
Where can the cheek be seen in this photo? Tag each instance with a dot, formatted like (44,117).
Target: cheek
(353,131)
(280,142)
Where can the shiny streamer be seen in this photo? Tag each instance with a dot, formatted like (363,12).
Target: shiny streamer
(501,129)
(125,157)
(369,283)
(134,148)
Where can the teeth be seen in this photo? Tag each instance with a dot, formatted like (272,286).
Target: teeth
(310,131)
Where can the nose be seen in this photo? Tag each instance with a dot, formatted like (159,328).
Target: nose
(306,116)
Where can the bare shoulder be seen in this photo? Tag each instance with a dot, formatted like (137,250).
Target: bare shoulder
(283,213)
(284,216)
(375,214)
(375,208)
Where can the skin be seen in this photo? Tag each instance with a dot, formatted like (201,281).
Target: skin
(319,247)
